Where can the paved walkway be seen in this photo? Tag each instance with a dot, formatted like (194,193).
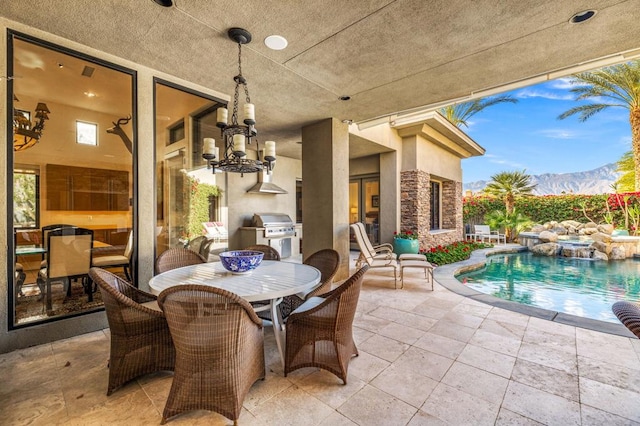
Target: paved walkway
(426,358)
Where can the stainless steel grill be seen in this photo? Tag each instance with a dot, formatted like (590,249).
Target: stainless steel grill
(276,225)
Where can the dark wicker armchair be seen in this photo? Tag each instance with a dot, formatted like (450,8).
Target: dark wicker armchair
(629,314)
(177,258)
(327,261)
(140,338)
(319,332)
(269,252)
(220,349)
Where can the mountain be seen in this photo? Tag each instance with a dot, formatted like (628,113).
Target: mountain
(597,181)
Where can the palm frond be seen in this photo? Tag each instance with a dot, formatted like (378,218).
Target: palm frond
(459,114)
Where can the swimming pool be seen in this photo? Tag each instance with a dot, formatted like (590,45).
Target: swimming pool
(579,287)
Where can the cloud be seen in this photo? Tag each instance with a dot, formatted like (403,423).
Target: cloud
(564,83)
(536,93)
(558,133)
(505,162)
(625,141)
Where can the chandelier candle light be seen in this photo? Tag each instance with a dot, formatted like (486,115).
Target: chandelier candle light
(236,136)
(25,133)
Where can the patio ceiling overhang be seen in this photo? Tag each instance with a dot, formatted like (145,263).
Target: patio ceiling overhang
(388,56)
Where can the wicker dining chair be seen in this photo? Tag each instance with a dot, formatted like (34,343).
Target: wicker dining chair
(220,349)
(629,314)
(140,338)
(269,252)
(177,258)
(327,261)
(319,332)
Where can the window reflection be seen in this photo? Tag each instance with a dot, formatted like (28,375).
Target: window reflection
(72,202)
(188,194)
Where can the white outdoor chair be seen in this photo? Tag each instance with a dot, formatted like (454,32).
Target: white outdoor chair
(216,231)
(483,232)
(381,256)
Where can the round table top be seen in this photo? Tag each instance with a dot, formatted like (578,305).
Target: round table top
(271,280)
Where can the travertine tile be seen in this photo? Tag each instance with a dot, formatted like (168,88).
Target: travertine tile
(610,374)
(424,363)
(337,419)
(552,327)
(541,406)
(506,329)
(474,381)
(452,330)
(508,317)
(547,379)
(487,360)
(496,342)
(329,389)
(422,418)
(594,417)
(366,366)
(462,318)
(441,345)
(460,408)
(372,406)
(383,347)
(614,400)
(554,358)
(472,307)
(509,418)
(561,342)
(405,385)
(292,407)
(402,333)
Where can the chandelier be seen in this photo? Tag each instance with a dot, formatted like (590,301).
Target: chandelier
(26,133)
(236,136)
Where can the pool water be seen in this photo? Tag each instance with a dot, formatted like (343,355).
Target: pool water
(579,287)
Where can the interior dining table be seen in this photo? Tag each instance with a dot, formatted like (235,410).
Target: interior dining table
(271,280)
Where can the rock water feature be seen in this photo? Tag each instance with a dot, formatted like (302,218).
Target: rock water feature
(583,240)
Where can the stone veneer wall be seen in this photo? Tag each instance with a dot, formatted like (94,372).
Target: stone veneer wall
(414,206)
(452,206)
(415,211)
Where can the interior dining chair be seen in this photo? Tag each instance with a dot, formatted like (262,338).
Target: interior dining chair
(327,261)
(269,252)
(319,332)
(117,260)
(19,276)
(219,349)
(68,256)
(374,259)
(45,232)
(140,338)
(176,258)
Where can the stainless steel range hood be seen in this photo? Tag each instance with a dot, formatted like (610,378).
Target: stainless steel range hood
(264,185)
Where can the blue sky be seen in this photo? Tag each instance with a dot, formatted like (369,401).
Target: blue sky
(527,135)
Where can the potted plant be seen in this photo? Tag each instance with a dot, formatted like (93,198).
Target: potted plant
(405,242)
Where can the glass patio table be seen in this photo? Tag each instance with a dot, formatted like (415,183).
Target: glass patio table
(272,280)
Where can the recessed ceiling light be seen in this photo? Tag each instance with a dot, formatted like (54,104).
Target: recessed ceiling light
(583,16)
(276,42)
(344,98)
(164,3)
(90,94)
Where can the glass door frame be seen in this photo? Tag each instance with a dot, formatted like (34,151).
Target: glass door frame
(373,229)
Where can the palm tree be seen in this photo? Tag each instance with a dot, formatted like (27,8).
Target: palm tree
(508,186)
(458,114)
(626,168)
(513,223)
(615,86)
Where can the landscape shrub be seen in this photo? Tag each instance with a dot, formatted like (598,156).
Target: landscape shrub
(545,208)
(455,252)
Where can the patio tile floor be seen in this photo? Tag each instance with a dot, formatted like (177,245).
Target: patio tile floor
(426,358)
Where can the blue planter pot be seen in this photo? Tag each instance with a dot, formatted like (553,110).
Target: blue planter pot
(402,246)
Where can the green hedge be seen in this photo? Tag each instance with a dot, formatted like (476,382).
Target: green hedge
(546,208)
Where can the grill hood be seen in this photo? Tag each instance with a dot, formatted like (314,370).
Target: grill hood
(264,185)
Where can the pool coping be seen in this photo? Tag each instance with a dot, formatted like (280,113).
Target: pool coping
(445,276)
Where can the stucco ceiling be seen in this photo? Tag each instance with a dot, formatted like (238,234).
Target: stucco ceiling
(389,56)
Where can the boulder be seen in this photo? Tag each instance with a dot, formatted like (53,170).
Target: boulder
(599,236)
(560,230)
(598,255)
(547,249)
(606,228)
(538,228)
(618,253)
(590,225)
(571,224)
(548,237)
(599,246)
(588,231)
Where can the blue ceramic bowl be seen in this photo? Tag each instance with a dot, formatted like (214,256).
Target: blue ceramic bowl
(240,261)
